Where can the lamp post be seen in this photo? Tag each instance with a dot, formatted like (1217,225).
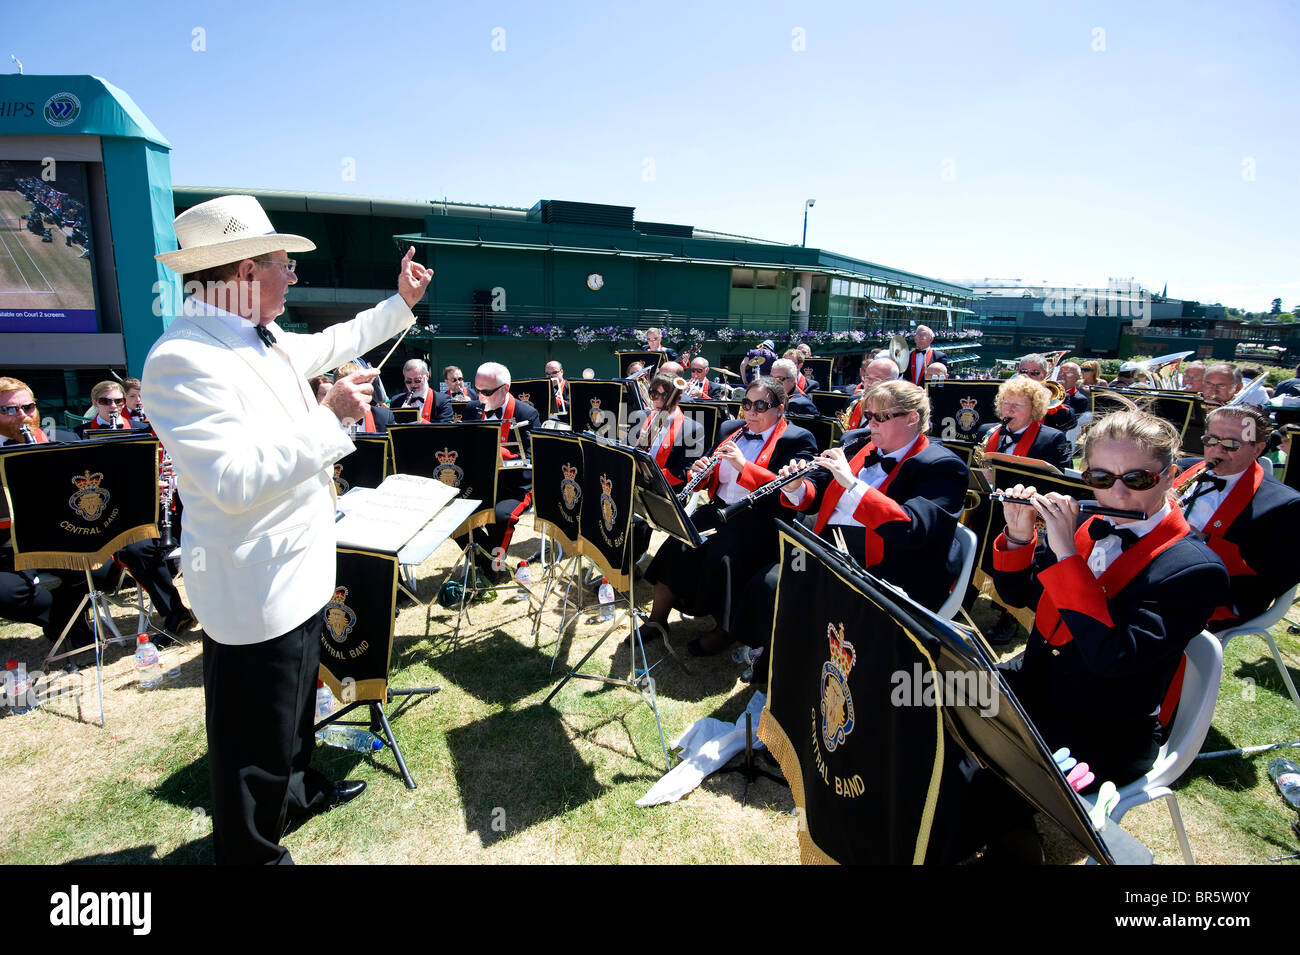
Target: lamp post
(808,204)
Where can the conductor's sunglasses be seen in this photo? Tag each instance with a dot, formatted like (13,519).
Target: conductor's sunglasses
(15,409)
(1139,480)
(1228,444)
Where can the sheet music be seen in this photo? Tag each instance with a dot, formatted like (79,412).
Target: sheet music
(386,517)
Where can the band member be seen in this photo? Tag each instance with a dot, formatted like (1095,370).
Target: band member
(1060,415)
(434,406)
(1117,601)
(453,385)
(1221,384)
(514,484)
(786,372)
(1193,376)
(1022,403)
(1090,375)
(1069,376)
(110,403)
(709,579)
(874,371)
(654,341)
(758,362)
(922,355)
(698,386)
(805,352)
(893,497)
(673,440)
(559,388)
(1249,521)
(134,404)
(936,371)
(376,418)
(803,383)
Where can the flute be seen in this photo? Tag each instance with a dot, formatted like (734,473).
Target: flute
(1091,507)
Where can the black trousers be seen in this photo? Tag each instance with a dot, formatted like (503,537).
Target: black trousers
(147,562)
(260,709)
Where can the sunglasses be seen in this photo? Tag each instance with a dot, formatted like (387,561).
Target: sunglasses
(1138,480)
(882,418)
(485,392)
(15,409)
(110,401)
(1033,372)
(1228,444)
(760,405)
(659,393)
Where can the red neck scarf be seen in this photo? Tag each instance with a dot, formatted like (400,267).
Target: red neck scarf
(507,418)
(835,491)
(368,425)
(1118,575)
(1229,509)
(559,395)
(666,445)
(918,369)
(1022,446)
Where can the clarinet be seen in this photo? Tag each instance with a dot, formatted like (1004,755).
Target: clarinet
(169,491)
(28,437)
(710,465)
(747,502)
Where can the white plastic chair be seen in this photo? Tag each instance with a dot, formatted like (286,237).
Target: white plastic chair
(1267,465)
(1261,625)
(967,542)
(1186,736)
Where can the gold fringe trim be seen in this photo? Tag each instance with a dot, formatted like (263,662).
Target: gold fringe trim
(778,743)
(572,545)
(932,793)
(473,522)
(361,691)
(61,560)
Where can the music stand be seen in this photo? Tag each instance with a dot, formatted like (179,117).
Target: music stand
(405,415)
(708,416)
(894,635)
(830,404)
(825,431)
(114,503)
(597,406)
(958,408)
(357,642)
(367,466)
(525,388)
(649,358)
(611,478)
(822,368)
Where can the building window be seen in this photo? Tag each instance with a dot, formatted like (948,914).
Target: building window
(765,278)
(742,278)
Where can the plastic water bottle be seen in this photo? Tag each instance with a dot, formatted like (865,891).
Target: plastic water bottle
(523,577)
(146,663)
(19,686)
(324,701)
(1287,776)
(351,737)
(606,597)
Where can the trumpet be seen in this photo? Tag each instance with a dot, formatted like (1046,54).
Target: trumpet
(747,502)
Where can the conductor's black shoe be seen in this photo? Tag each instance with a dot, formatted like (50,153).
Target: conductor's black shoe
(346,791)
(180,620)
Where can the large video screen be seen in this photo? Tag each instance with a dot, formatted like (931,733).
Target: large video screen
(46,276)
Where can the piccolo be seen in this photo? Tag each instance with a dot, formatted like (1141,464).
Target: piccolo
(1090,507)
(767,490)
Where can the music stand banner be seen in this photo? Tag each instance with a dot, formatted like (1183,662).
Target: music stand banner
(959,408)
(608,480)
(72,507)
(538,392)
(825,431)
(596,406)
(558,483)
(1185,411)
(821,370)
(864,769)
(708,416)
(830,404)
(357,641)
(405,415)
(626,358)
(367,466)
(464,455)
(869,716)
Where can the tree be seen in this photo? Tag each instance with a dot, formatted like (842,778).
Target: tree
(1276,308)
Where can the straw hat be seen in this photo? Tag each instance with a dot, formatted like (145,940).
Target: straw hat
(224,230)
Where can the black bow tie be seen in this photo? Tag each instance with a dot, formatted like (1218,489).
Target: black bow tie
(1099,530)
(1205,477)
(746,434)
(875,457)
(264,333)
(1008,438)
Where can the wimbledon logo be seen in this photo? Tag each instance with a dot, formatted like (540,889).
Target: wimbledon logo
(62,109)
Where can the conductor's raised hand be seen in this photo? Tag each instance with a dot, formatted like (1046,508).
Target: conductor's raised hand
(350,396)
(412,279)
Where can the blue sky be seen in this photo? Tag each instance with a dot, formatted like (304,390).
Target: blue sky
(1066,142)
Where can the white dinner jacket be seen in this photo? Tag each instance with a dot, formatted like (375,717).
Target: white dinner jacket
(255,452)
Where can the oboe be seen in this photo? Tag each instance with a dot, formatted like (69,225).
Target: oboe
(1090,507)
(767,490)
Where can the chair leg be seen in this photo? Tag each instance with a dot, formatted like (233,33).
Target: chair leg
(1281,668)
(1172,802)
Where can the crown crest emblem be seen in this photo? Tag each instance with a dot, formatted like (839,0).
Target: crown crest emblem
(87,481)
(967,402)
(447,456)
(606,485)
(524,396)
(595,402)
(570,472)
(842,653)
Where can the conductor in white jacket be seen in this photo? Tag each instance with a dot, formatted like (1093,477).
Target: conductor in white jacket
(230,402)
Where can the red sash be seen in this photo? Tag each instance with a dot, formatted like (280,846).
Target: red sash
(831,499)
(918,373)
(1022,446)
(855,418)
(668,443)
(801,384)
(1229,509)
(426,411)
(369,424)
(559,397)
(507,418)
(1072,574)
(755,473)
